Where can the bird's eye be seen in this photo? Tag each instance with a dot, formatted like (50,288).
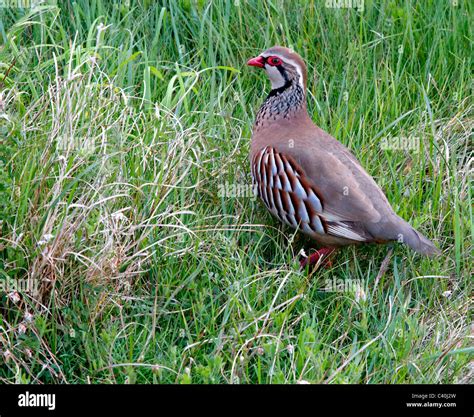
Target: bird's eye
(274,61)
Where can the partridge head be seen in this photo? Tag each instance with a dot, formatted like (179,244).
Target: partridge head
(309,180)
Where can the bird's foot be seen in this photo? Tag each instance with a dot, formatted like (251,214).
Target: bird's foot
(319,257)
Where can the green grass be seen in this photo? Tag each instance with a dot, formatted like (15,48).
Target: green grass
(120,124)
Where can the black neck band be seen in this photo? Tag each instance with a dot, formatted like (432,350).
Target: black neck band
(279,90)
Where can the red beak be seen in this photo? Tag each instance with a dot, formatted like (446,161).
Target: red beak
(257,62)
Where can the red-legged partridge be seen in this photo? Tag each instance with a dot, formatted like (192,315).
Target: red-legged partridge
(309,180)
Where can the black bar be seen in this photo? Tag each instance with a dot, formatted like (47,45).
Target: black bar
(129,400)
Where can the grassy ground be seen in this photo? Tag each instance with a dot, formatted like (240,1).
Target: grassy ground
(125,207)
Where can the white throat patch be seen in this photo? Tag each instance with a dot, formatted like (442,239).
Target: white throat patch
(276,78)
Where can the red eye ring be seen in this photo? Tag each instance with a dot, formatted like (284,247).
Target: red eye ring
(273,61)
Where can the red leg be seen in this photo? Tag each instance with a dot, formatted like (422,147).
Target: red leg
(321,254)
